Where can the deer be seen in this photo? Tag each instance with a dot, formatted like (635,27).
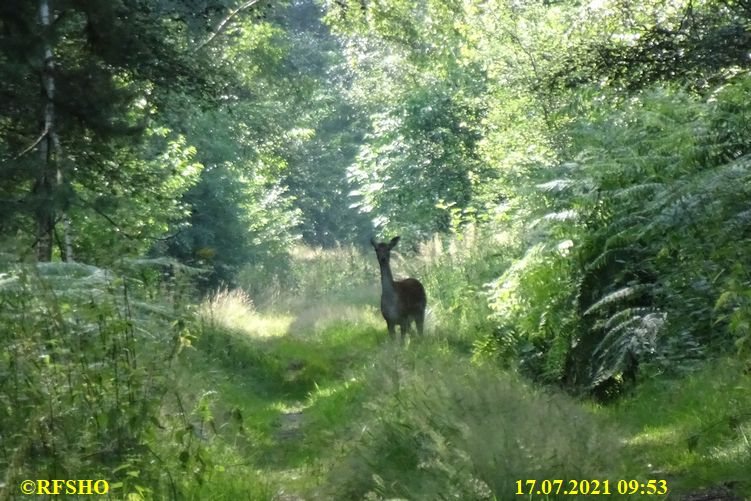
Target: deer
(402,301)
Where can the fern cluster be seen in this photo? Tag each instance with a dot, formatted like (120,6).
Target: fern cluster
(639,232)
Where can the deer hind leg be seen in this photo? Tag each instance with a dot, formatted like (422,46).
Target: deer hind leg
(405,327)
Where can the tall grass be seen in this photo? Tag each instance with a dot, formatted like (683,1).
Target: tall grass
(437,427)
(234,310)
(309,273)
(454,269)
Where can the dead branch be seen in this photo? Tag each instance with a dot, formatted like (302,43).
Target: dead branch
(224,23)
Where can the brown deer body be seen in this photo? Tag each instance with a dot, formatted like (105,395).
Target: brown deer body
(402,301)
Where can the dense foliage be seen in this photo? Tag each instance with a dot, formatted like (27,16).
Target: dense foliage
(570,181)
(619,168)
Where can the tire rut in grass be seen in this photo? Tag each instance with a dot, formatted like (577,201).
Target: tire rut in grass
(289,426)
(291,421)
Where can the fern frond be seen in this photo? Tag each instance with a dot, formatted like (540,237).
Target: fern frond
(556,185)
(7,281)
(624,239)
(617,338)
(609,256)
(740,221)
(626,314)
(621,294)
(635,334)
(564,215)
(632,330)
(637,191)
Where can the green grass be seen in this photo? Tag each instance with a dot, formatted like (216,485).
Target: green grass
(695,430)
(309,398)
(372,410)
(266,367)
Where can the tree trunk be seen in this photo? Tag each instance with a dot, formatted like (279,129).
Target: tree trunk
(50,176)
(67,239)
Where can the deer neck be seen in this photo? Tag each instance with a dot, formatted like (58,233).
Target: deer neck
(387,280)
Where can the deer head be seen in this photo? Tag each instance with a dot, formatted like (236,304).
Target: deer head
(383,250)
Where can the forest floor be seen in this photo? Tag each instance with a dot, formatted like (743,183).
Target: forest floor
(298,384)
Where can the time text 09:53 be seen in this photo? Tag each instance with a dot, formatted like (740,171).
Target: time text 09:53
(591,487)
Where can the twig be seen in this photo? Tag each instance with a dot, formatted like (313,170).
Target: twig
(172,484)
(224,23)
(35,143)
(109,219)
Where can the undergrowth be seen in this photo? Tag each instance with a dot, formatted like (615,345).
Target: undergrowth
(85,378)
(694,430)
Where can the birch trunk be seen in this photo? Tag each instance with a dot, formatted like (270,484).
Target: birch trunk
(50,175)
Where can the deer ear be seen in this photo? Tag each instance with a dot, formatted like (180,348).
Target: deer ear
(373,242)
(393,242)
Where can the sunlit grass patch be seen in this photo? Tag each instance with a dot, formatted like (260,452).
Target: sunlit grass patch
(734,451)
(234,310)
(653,436)
(317,318)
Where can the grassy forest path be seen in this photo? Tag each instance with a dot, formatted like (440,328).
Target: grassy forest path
(287,383)
(289,396)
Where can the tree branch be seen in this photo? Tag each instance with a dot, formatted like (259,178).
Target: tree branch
(35,143)
(120,230)
(224,23)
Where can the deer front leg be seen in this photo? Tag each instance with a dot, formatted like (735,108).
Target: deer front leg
(392,328)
